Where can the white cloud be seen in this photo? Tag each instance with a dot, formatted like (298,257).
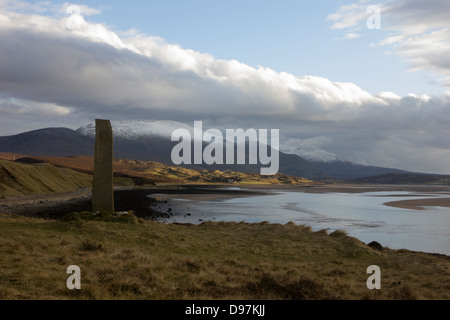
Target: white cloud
(417,30)
(84,10)
(389,96)
(351,35)
(349,16)
(68,76)
(42,7)
(31,108)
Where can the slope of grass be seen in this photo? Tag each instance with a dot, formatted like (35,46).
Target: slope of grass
(149,260)
(151,171)
(43,178)
(159,172)
(46,175)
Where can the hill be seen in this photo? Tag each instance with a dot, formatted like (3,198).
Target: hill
(56,142)
(404,178)
(349,170)
(43,178)
(150,172)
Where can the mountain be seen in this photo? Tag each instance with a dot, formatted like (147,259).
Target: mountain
(141,140)
(308,152)
(135,140)
(332,164)
(405,178)
(350,170)
(151,141)
(49,142)
(135,129)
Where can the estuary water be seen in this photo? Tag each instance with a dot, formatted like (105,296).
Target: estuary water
(361,215)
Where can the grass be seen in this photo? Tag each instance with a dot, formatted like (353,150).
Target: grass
(50,175)
(19,179)
(161,173)
(126,258)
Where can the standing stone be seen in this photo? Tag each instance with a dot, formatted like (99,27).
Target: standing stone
(102,188)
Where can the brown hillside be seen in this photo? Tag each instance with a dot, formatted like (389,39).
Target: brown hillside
(154,172)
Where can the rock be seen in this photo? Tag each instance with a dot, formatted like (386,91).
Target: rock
(102,185)
(375,245)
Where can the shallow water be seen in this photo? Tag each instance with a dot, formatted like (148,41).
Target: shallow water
(361,215)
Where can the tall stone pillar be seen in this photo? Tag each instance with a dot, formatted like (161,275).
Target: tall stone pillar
(102,188)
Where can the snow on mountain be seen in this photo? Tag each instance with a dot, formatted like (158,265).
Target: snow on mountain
(138,128)
(307,149)
(133,129)
(143,128)
(313,154)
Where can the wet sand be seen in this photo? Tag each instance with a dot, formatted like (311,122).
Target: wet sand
(420,204)
(200,197)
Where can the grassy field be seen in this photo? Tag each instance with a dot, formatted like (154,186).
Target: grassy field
(128,258)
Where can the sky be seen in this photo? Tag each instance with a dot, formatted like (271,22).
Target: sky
(323,72)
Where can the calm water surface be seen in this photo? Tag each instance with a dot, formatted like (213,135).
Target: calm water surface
(361,215)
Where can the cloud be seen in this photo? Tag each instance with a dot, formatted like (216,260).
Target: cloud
(351,35)
(349,16)
(17,114)
(51,73)
(83,10)
(93,66)
(417,30)
(31,108)
(45,7)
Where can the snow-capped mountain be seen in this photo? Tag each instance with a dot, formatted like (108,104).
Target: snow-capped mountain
(312,154)
(329,163)
(134,129)
(310,149)
(151,141)
(139,128)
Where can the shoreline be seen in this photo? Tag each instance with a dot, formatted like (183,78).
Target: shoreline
(217,193)
(136,199)
(141,199)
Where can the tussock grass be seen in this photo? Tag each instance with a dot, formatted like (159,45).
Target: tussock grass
(214,260)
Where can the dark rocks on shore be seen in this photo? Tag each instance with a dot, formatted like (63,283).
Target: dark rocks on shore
(125,200)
